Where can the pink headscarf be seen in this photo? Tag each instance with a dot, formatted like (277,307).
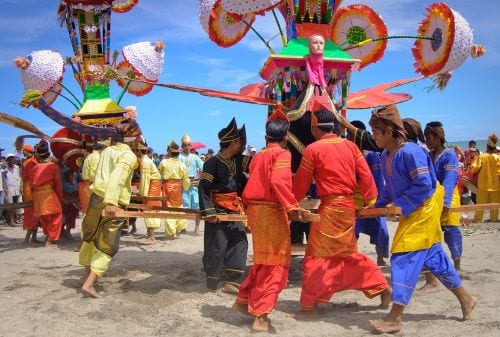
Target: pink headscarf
(314,66)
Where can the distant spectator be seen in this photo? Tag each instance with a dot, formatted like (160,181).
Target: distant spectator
(11,188)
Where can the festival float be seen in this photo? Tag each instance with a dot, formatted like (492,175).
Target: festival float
(94,67)
(354,36)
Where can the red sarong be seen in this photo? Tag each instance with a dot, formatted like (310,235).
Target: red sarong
(173,190)
(84,193)
(229,201)
(323,277)
(261,288)
(154,191)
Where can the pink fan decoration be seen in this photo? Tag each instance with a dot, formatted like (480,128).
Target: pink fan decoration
(243,7)
(143,62)
(42,70)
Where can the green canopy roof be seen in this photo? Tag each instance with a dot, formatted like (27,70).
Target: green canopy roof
(300,48)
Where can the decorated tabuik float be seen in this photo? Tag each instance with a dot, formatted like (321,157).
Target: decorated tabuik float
(94,68)
(294,79)
(355,36)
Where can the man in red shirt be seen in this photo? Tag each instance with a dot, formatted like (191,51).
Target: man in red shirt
(270,203)
(332,262)
(29,221)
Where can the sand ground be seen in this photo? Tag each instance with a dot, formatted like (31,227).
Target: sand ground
(159,290)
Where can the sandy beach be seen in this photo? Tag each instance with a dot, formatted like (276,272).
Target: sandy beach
(160,290)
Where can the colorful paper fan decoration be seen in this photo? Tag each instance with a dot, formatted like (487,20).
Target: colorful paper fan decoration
(225,28)
(122,6)
(144,62)
(357,23)
(451,41)
(204,13)
(243,7)
(42,70)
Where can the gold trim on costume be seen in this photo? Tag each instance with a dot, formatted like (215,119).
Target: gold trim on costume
(296,143)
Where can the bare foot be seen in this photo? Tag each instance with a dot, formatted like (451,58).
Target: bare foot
(430,288)
(381,326)
(90,291)
(243,308)
(385,298)
(50,243)
(230,289)
(148,242)
(262,324)
(304,315)
(468,307)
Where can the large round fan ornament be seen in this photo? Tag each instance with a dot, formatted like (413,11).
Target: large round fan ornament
(122,6)
(144,62)
(42,70)
(225,28)
(204,13)
(357,23)
(451,42)
(243,7)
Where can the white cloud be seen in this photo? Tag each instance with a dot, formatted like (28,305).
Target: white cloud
(214,113)
(212,62)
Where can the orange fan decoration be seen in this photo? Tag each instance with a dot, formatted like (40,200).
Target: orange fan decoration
(224,28)
(122,6)
(357,23)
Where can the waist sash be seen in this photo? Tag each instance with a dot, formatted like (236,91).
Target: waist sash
(45,200)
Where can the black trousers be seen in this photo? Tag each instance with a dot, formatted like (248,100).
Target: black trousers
(225,253)
(297,231)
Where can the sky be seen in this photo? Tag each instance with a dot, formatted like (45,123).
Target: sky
(467,107)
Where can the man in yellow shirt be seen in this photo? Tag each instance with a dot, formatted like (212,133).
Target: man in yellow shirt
(150,185)
(175,180)
(487,167)
(111,190)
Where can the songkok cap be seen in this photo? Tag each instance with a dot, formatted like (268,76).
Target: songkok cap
(229,133)
(388,115)
(243,132)
(28,148)
(173,147)
(185,139)
(414,130)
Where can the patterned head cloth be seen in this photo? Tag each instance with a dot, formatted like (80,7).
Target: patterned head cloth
(42,149)
(414,130)
(492,141)
(436,129)
(388,116)
(141,143)
(173,147)
(229,133)
(128,129)
(185,139)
